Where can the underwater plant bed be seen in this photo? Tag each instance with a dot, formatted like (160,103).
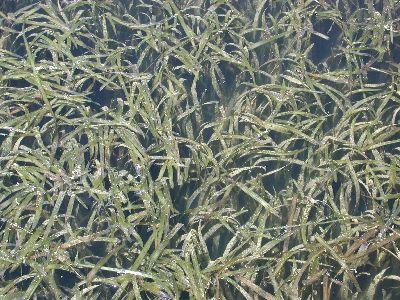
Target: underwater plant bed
(199,149)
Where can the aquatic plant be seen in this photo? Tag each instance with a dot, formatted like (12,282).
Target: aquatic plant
(199,149)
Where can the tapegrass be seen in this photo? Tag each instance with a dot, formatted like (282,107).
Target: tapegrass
(199,149)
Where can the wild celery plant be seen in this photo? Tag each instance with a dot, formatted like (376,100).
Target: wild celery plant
(199,149)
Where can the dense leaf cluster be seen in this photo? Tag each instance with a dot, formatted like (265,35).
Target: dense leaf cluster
(199,149)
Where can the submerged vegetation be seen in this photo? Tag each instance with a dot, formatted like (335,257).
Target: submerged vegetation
(199,149)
